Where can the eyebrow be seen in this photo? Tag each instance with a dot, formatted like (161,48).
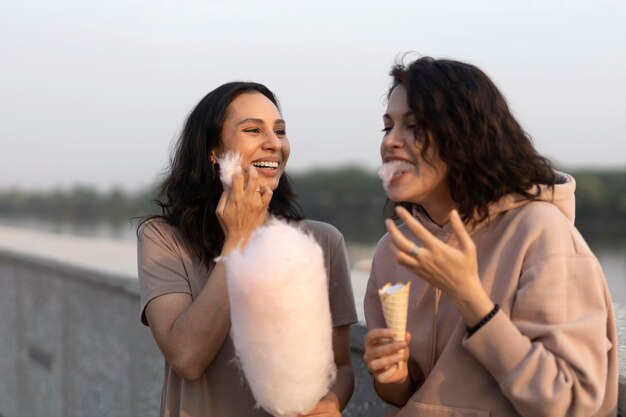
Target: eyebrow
(259,121)
(407,114)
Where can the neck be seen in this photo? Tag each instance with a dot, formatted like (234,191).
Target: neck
(439,211)
(438,216)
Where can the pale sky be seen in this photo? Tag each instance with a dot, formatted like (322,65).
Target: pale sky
(95,92)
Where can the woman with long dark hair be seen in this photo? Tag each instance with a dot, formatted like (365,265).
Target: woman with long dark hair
(509,312)
(183,290)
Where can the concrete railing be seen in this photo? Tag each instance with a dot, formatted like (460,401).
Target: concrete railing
(71,345)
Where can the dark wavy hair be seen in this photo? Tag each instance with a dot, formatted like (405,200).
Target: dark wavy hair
(192,188)
(487,153)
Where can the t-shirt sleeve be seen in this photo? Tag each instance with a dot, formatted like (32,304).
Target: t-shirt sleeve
(161,269)
(341,297)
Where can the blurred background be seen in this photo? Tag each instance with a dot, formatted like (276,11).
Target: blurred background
(94,94)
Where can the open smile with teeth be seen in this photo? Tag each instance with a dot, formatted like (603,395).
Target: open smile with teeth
(266,164)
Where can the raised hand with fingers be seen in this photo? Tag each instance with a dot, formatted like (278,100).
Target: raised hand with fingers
(453,270)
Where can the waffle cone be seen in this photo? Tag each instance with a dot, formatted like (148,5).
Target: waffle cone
(395,307)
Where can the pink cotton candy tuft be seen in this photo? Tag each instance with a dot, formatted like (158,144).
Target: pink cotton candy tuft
(385,172)
(230,165)
(280,318)
(389,169)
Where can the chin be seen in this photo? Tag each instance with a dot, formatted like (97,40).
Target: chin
(397,196)
(272,184)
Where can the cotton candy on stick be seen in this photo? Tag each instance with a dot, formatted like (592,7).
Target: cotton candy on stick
(230,165)
(280,318)
(395,302)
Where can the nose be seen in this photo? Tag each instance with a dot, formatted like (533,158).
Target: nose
(392,139)
(272,141)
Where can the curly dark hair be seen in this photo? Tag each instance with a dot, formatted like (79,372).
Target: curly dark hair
(192,188)
(487,153)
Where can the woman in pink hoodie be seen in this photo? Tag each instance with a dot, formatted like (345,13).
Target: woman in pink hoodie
(509,312)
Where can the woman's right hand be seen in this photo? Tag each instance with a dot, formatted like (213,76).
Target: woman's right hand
(386,358)
(242,209)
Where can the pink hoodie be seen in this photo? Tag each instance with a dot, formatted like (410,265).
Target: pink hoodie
(552,348)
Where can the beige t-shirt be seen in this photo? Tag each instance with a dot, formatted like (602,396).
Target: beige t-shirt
(165,267)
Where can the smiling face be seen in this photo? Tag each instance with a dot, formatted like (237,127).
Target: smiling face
(411,178)
(254,128)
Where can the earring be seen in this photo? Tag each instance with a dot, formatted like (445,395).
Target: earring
(213,158)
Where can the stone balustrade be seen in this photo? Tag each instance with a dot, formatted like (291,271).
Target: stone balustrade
(71,344)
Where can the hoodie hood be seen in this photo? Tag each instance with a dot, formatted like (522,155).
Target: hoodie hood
(561,195)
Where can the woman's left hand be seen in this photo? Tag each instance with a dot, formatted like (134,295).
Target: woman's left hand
(454,271)
(326,407)
(243,208)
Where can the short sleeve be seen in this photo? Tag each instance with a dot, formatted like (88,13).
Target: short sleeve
(333,246)
(160,264)
(341,297)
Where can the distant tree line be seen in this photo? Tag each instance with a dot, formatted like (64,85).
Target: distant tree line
(601,204)
(351,198)
(80,204)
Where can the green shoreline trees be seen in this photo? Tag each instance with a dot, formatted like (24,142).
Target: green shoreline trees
(350,197)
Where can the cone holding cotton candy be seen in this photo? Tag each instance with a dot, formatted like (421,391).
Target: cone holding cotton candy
(280,318)
(230,164)
(395,302)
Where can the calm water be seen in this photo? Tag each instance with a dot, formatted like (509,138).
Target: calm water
(612,256)
(613,261)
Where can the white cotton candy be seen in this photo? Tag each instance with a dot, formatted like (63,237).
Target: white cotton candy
(389,169)
(385,172)
(230,165)
(280,318)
